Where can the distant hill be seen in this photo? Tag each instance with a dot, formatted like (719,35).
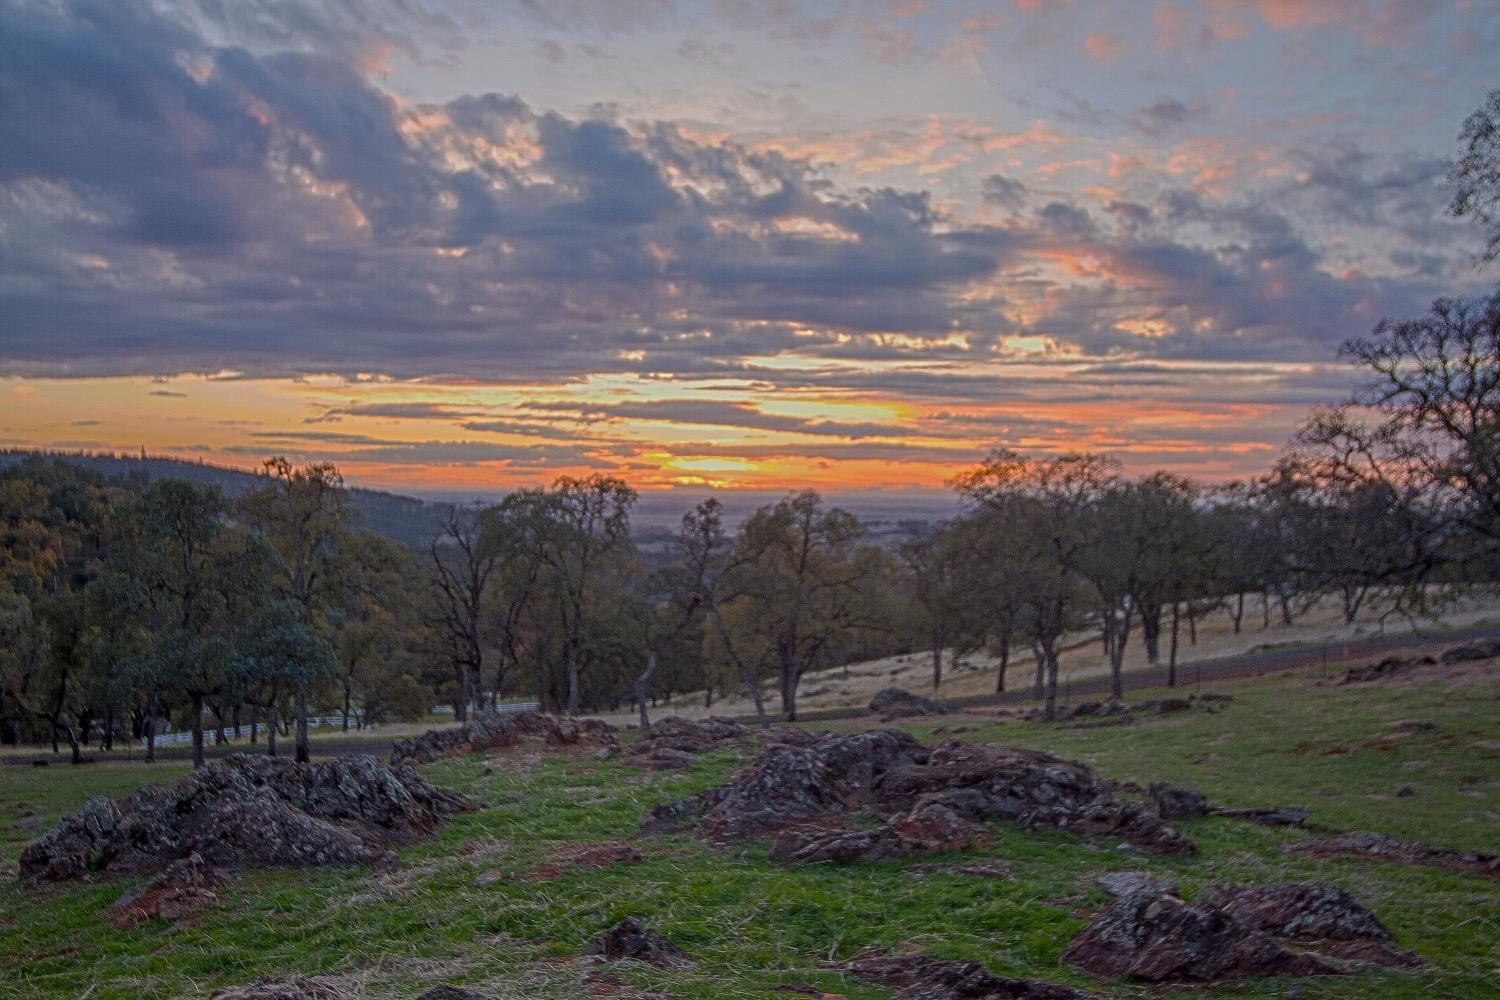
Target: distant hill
(402,519)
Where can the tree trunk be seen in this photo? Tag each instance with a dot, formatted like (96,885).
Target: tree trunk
(937,660)
(254,724)
(788,690)
(572,665)
(1172,656)
(640,692)
(747,677)
(271,727)
(304,747)
(236,722)
(1265,609)
(197,731)
(109,728)
(1239,610)
(346,708)
(1049,708)
(1004,661)
(1192,616)
(1151,630)
(1117,657)
(1041,668)
(151,728)
(708,695)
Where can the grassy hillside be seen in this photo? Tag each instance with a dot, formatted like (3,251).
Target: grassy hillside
(754,926)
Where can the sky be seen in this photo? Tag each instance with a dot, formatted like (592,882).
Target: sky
(462,246)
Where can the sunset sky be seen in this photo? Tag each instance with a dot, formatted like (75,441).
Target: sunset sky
(462,246)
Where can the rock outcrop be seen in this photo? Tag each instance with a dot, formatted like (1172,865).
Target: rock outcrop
(179,889)
(895,703)
(489,731)
(1236,933)
(923,978)
(930,828)
(630,939)
(1361,843)
(810,780)
(672,742)
(248,809)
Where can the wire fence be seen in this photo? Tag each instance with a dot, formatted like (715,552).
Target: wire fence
(176,738)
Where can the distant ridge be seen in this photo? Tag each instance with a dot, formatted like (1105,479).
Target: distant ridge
(402,519)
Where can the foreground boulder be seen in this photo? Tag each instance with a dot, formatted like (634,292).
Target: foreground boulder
(813,780)
(672,742)
(923,978)
(894,703)
(248,809)
(1361,843)
(1224,934)
(489,731)
(629,939)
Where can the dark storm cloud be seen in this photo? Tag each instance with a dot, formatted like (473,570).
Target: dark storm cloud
(227,189)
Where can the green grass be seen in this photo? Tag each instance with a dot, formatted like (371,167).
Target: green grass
(752,924)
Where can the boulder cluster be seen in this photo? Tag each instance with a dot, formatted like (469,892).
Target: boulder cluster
(492,731)
(248,809)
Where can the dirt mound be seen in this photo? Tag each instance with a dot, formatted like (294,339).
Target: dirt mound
(496,732)
(1361,843)
(177,890)
(672,741)
(628,939)
(930,828)
(923,978)
(248,809)
(1235,933)
(814,779)
(285,989)
(446,992)
(895,703)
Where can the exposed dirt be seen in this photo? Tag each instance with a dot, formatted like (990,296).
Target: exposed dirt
(590,857)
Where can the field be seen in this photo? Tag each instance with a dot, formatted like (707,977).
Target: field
(1321,627)
(752,925)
